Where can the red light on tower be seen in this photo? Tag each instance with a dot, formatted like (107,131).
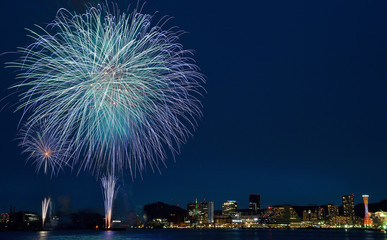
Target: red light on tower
(367,219)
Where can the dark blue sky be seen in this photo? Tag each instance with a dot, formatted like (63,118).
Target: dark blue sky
(295,110)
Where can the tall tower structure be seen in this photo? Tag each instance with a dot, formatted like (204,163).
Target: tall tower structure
(192,210)
(254,203)
(349,206)
(210,212)
(367,219)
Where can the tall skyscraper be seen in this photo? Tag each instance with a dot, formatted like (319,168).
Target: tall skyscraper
(192,211)
(367,219)
(254,203)
(206,212)
(229,208)
(349,206)
(210,212)
(203,212)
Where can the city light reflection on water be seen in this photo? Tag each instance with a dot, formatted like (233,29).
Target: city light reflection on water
(43,235)
(109,235)
(79,235)
(193,234)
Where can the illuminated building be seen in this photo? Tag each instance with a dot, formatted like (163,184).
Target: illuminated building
(203,212)
(282,214)
(340,221)
(192,211)
(210,212)
(4,221)
(158,223)
(26,221)
(229,208)
(4,218)
(206,212)
(117,223)
(309,215)
(254,203)
(349,206)
(320,213)
(313,214)
(380,219)
(222,220)
(367,219)
(333,210)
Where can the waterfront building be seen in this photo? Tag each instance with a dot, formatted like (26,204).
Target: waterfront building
(203,212)
(210,212)
(340,221)
(254,203)
(229,208)
(349,206)
(192,211)
(4,218)
(280,214)
(26,221)
(321,213)
(309,215)
(221,220)
(379,219)
(333,210)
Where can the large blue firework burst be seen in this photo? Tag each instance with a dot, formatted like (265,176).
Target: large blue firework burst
(121,89)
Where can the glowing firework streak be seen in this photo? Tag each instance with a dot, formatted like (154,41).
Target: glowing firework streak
(109,194)
(45,205)
(44,148)
(122,89)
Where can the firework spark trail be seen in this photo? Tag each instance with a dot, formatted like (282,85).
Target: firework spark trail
(44,148)
(122,90)
(45,205)
(109,194)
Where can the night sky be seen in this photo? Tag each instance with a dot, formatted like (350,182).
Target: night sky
(295,108)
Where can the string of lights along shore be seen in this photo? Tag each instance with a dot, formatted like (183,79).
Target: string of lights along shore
(108,92)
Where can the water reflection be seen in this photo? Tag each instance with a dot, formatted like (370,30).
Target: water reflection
(43,235)
(108,235)
(346,234)
(169,234)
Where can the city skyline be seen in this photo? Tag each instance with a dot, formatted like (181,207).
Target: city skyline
(294,108)
(346,202)
(201,214)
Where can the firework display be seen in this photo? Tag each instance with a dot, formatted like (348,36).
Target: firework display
(109,194)
(45,205)
(123,91)
(44,149)
(105,92)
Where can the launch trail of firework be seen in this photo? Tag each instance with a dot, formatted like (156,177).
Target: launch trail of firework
(45,205)
(109,193)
